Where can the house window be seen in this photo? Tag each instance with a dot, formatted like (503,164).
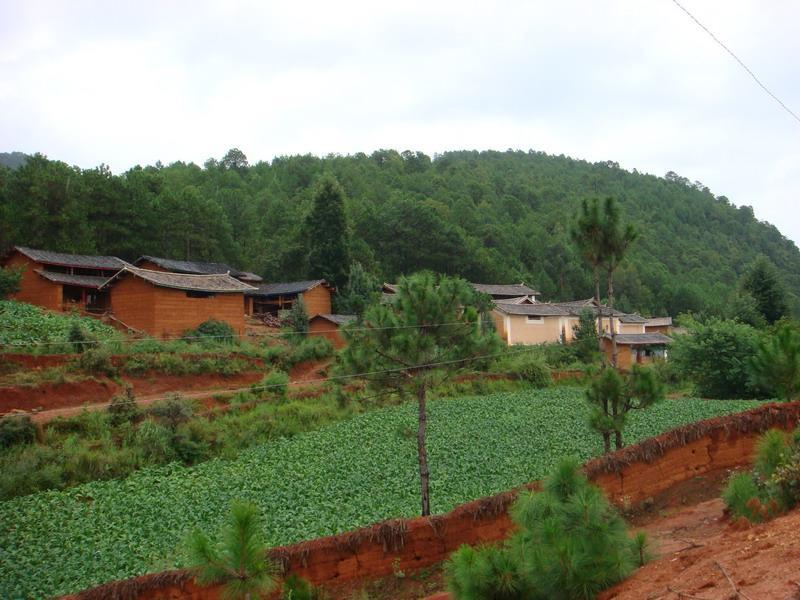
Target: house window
(197,294)
(537,319)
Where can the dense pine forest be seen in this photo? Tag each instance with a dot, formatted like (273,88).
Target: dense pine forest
(488,216)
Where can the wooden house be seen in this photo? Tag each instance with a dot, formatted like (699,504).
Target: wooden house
(328,326)
(269,298)
(637,348)
(59,281)
(166,304)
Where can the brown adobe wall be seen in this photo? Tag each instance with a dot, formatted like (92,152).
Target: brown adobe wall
(324,328)
(631,474)
(132,302)
(33,288)
(317,301)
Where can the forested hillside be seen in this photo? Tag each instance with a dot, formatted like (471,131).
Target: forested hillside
(488,216)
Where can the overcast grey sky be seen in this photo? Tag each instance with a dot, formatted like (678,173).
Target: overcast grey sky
(634,81)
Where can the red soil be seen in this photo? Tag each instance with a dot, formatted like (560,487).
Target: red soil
(700,549)
(64,399)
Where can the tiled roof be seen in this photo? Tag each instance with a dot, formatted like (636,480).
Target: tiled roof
(338,319)
(509,291)
(191,267)
(87,281)
(282,289)
(219,283)
(519,300)
(638,339)
(249,277)
(659,322)
(86,261)
(540,309)
(632,318)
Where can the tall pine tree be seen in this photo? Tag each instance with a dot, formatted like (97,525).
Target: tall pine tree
(327,232)
(762,282)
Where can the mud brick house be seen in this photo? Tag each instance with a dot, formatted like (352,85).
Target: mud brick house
(328,326)
(637,348)
(193,267)
(273,297)
(166,304)
(524,321)
(59,281)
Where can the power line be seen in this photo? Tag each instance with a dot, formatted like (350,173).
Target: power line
(738,60)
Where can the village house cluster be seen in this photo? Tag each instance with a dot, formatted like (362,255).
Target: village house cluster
(164,298)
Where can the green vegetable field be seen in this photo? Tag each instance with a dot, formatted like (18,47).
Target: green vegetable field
(343,476)
(22,323)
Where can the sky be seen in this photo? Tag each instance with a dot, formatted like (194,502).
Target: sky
(632,81)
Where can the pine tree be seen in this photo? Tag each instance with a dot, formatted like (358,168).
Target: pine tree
(762,282)
(611,396)
(327,233)
(431,329)
(776,363)
(361,290)
(238,559)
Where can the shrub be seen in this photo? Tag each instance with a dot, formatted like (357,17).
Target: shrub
(298,319)
(775,366)
(96,360)
(570,543)
(172,411)
(212,331)
(155,442)
(16,429)
(273,385)
(9,282)
(310,348)
(28,469)
(123,409)
(533,370)
(715,357)
(773,486)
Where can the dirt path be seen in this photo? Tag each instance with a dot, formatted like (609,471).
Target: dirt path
(301,386)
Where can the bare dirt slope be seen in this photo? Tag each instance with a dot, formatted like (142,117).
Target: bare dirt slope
(705,556)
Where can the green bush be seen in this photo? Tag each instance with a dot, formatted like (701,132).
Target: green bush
(9,281)
(309,348)
(715,357)
(212,331)
(172,411)
(96,360)
(273,385)
(297,588)
(123,409)
(773,486)
(570,543)
(16,429)
(28,469)
(155,442)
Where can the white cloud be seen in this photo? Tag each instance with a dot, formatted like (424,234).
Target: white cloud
(633,82)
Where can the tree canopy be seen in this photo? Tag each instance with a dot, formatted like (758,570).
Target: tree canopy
(489,216)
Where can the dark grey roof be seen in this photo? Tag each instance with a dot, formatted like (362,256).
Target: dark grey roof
(87,281)
(659,322)
(191,267)
(504,290)
(249,277)
(560,309)
(267,290)
(539,309)
(86,261)
(218,283)
(638,339)
(338,319)
(631,318)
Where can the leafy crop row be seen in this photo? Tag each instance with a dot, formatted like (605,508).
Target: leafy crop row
(22,323)
(349,474)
